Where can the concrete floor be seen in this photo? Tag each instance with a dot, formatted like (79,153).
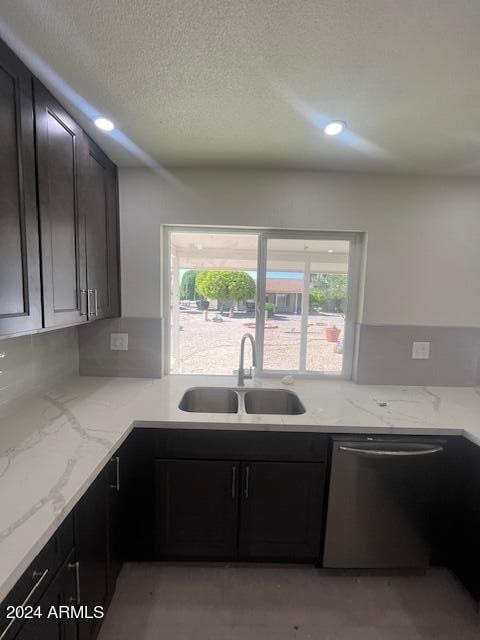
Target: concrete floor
(263,602)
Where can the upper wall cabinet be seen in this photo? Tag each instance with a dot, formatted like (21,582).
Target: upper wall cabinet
(99,202)
(58,142)
(63,261)
(20,299)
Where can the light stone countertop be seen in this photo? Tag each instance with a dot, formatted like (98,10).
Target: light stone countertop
(53,445)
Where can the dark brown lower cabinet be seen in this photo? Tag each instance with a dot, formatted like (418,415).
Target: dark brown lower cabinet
(78,567)
(91,540)
(98,524)
(115,558)
(464,553)
(51,625)
(137,489)
(230,510)
(281,511)
(196,508)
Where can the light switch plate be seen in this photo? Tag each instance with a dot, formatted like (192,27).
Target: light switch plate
(119,341)
(421,350)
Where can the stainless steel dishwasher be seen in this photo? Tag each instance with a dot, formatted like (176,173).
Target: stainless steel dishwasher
(380,500)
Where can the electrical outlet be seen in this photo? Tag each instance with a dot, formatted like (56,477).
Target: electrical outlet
(119,341)
(421,350)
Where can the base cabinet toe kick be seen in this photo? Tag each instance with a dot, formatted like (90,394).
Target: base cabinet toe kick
(340,502)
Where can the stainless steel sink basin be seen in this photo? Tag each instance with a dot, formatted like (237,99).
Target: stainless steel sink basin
(209,400)
(225,400)
(273,401)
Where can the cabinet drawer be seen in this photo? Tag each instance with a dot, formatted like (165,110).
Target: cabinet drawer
(204,444)
(39,574)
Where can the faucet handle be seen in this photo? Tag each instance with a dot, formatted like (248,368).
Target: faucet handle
(248,373)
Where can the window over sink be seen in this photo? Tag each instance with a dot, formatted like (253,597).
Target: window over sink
(295,291)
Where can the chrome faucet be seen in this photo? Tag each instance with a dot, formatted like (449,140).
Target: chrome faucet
(242,376)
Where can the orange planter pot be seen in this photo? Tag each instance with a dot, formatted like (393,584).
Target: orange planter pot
(332,334)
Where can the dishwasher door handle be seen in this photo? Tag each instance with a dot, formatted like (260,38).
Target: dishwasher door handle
(385,453)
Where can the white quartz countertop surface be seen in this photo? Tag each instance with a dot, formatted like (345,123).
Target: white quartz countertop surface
(52,445)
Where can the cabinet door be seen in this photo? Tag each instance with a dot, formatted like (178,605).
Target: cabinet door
(91,545)
(137,486)
(58,140)
(99,199)
(61,592)
(20,300)
(464,510)
(196,506)
(281,511)
(114,521)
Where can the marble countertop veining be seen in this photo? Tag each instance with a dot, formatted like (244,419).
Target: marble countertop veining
(53,445)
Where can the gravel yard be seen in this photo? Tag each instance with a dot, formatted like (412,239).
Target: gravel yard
(208,347)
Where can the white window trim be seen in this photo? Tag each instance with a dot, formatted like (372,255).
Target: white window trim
(352,303)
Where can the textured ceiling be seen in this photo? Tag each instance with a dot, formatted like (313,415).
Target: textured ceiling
(251,82)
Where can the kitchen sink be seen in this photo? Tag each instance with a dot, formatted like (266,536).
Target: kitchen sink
(273,401)
(225,400)
(209,400)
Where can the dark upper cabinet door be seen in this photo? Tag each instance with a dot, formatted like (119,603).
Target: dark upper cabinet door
(58,140)
(197,507)
(20,299)
(100,204)
(281,511)
(91,542)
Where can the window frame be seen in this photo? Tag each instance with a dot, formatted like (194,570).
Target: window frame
(355,239)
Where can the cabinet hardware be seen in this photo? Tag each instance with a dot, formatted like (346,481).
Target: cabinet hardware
(76,566)
(234,473)
(116,486)
(247,481)
(36,574)
(83,296)
(89,303)
(94,312)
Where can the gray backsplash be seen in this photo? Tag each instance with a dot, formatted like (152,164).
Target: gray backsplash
(29,364)
(32,363)
(143,358)
(384,355)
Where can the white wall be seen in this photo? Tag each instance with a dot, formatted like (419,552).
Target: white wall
(423,253)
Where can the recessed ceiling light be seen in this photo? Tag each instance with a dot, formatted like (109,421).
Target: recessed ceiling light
(104,124)
(334,128)
(329,250)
